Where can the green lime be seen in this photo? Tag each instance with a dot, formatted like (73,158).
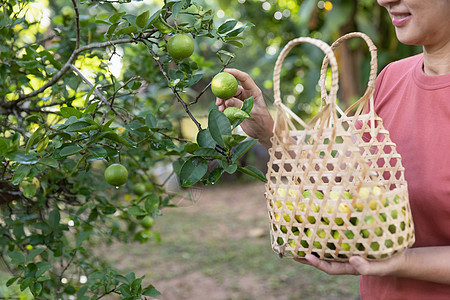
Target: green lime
(147,222)
(224,85)
(180,46)
(116,174)
(139,189)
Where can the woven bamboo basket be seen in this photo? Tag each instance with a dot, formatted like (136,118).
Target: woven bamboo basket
(336,184)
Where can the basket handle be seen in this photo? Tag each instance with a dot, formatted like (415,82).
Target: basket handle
(330,98)
(368,94)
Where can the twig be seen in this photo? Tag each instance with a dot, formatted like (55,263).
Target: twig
(77,19)
(64,270)
(122,86)
(175,92)
(209,84)
(96,91)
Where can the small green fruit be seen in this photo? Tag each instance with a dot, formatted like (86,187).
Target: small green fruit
(116,174)
(180,46)
(224,85)
(147,222)
(139,189)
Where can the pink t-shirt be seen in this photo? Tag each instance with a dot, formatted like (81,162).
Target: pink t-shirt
(415,108)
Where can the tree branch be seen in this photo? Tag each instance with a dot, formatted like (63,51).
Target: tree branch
(175,92)
(97,92)
(77,19)
(69,62)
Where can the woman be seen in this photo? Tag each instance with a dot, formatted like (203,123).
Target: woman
(413,98)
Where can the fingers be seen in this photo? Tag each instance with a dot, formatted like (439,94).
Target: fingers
(222,104)
(331,267)
(245,79)
(360,264)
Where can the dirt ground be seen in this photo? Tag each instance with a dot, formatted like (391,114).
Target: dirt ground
(216,246)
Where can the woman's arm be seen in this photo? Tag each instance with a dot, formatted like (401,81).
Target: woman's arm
(425,263)
(261,124)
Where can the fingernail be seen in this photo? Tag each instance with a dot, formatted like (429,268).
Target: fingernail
(356,261)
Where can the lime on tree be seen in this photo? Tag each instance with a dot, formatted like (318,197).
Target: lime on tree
(116,174)
(147,222)
(224,85)
(180,46)
(139,189)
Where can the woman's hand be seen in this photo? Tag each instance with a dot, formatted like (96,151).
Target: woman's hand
(261,124)
(356,265)
(421,263)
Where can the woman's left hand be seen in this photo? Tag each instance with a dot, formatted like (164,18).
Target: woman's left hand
(355,266)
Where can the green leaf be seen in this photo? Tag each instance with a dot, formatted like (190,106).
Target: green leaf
(205,140)
(70,150)
(88,95)
(54,218)
(252,171)
(190,147)
(43,266)
(20,173)
(151,203)
(151,121)
(227,26)
(127,30)
(97,153)
(21,157)
(137,211)
(247,105)
(26,283)
(136,285)
(82,291)
(50,162)
(193,170)
(16,258)
(3,146)
(234,140)
(218,125)
(91,108)
(240,29)
(11,281)
(208,152)
(81,126)
(176,8)
(215,175)
(230,169)
(35,137)
(242,148)
(97,276)
(235,43)
(109,33)
(33,253)
(142,19)
(131,277)
(68,112)
(116,17)
(82,236)
(120,139)
(151,291)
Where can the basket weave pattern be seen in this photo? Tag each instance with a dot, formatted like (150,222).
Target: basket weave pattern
(336,185)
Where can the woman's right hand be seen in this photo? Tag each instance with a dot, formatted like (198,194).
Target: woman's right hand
(260,126)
